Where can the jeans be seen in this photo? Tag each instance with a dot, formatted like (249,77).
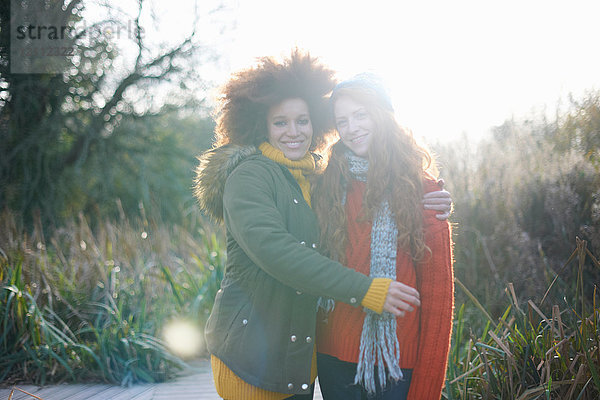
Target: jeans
(336,378)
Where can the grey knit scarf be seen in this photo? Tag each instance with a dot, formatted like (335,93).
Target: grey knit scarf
(378,342)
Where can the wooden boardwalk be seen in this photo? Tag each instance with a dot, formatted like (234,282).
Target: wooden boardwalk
(196,384)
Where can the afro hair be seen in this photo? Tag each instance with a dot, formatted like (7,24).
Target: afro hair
(246,98)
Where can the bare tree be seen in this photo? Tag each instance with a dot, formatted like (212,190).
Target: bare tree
(51,123)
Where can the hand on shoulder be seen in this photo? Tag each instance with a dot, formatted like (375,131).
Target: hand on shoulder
(437,201)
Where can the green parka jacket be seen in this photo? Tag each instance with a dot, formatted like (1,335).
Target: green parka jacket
(262,324)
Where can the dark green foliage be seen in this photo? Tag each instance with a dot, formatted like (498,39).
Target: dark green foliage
(94,134)
(149,162)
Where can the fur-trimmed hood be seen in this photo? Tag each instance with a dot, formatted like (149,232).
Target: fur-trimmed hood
(212,172)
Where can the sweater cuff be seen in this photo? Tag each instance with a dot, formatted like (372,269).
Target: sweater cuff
(376,295)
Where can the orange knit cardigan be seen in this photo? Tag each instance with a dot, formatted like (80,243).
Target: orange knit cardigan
(424,334)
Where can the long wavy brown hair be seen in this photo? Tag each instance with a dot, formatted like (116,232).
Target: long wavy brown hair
(245,100)
(397,167)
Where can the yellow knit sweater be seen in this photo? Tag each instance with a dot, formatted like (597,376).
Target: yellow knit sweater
(229,385)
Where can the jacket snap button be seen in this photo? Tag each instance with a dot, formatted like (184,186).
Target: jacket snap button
(303,243)
(314,246)
(293,338)
(295,201)
(353,300)
(308,339)
(290,386)
(304,386)
(298,292)
(245,321)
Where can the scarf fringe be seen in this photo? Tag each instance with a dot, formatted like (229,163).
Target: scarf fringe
(325,304)
(379,348)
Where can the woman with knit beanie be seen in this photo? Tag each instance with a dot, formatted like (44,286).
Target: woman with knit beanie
(261,331)
(369,204)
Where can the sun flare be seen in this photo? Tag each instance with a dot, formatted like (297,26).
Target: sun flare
(183,338)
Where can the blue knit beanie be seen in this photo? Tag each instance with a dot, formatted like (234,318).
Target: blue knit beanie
(370,81)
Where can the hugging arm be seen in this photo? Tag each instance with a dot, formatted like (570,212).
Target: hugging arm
(440,200)
(256,224)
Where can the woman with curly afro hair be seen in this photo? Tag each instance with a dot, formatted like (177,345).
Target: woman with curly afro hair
(261,331)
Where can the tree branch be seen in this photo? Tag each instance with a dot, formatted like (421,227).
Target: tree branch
(140,73)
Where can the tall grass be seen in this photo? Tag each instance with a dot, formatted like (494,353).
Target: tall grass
(521,196)
(92,305)
(533,351)
(527,325)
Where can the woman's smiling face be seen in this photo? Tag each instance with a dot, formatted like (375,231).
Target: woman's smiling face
(354,124)
(290,128)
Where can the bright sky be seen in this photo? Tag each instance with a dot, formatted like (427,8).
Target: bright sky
(451,66)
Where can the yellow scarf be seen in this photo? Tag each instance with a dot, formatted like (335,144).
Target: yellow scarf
(299,169)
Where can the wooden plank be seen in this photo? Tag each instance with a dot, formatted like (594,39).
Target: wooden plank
(137,392)
(193,387)
(88,392)
(196,384)
(18,395)
(110,392)
(59,392)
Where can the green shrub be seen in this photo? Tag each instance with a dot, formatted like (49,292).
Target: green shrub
(93,305)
